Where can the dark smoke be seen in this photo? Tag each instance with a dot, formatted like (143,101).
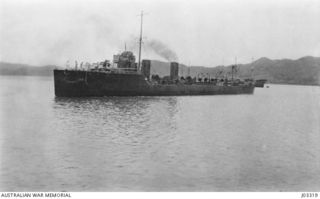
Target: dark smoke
(161,49)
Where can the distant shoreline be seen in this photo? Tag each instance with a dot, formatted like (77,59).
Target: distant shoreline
(292,84)
(27,75)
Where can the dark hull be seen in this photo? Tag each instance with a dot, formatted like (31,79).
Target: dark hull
(84,84)
(260,83)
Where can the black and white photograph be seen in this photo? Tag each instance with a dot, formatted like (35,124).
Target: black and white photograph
(165,96)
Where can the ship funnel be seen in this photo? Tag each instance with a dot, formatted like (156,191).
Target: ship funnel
(145,68)
(174,70)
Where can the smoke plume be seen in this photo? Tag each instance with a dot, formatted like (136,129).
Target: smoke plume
(162,50)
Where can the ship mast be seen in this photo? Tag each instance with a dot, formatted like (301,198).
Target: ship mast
(140,41)
(233,68)
(252,68)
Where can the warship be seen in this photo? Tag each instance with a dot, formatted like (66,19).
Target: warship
(124,77)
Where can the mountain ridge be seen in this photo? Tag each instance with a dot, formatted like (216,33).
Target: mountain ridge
(7,68)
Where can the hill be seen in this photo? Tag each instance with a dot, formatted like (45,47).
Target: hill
(305,71)
(24,69)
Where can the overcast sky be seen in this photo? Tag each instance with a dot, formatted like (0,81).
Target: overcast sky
(200,32)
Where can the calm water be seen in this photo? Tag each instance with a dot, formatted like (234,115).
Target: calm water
(268,141)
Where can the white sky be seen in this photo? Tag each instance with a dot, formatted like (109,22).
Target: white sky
(201,32)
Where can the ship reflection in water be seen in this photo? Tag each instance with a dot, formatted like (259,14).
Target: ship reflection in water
(116,143)
(128,116)
(262,142)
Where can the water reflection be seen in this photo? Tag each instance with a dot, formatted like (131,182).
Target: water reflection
(125,114)
(121,104)
(116,136)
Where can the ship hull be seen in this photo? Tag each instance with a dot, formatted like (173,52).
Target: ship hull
(260,83)
(86,84)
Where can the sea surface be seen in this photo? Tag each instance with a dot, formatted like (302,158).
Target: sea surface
(268,141)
